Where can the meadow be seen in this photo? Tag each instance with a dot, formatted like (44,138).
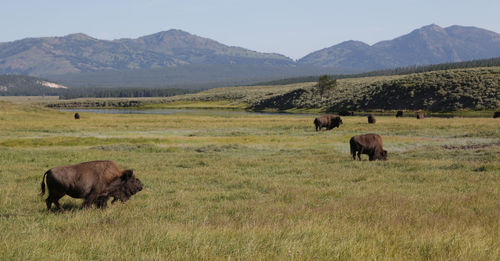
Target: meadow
(253,187)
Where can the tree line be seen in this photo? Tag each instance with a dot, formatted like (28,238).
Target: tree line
(492,62)
(20,85)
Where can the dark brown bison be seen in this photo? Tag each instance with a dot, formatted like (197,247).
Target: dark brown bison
(329,121)
(370,144)
(496,114)
(371,118)
(77,116)
(94,181)
(420,115)
(399,114)
(346,113)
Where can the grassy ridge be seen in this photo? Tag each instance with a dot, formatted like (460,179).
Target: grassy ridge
(448,90)
(254,187)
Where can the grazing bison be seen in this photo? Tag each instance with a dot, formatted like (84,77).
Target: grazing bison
(399,114)
(496,114)
(370,144)
(420,115)
(329,121)
(77,116)
(346,113)
(94,181)
(371,118)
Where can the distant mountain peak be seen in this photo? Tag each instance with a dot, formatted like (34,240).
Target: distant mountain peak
(169,33)
(79,37)
(353,43)
(432,27)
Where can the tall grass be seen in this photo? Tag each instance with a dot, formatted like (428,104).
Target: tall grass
(254,187)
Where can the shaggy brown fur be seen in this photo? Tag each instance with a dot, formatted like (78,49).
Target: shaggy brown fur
(371,118)
(121,189)
(329,121)
(370,144)
(89,180)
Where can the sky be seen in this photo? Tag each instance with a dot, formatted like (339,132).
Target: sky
(290,27)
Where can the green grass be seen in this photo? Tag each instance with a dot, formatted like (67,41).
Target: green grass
(254,187)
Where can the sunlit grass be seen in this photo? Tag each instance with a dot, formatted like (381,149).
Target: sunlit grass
(254,187)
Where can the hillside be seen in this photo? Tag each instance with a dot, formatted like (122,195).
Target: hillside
(193,77)
(491,62)
(15,85)
(20,85)
(448,90)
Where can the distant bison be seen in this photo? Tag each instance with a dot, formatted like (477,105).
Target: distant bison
(94,181)
(370,144)
(371,118)
(496,114)
(346,113)
(420,115)
(77,116)
(329,121)
(399,114)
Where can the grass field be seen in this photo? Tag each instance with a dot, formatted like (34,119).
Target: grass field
(254,187)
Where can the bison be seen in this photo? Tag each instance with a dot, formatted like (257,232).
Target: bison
(77,116)
(399,114)
(370,144)
(346,113)
(94,181)
(371,118)
(329,121)
(420,115)
(496,114)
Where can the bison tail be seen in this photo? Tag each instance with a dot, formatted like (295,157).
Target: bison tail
(42,185)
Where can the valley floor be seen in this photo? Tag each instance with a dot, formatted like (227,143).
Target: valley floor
(254,187)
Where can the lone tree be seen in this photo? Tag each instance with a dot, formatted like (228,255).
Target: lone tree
(325,84)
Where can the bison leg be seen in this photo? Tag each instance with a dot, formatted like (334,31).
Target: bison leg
(353,155)
(89,201)
(48,201)
(101,202)
(53,198)
(359,153)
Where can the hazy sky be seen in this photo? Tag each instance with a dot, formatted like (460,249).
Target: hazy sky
(290,27)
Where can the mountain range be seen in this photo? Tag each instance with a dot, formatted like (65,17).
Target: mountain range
(430,44)
(175,57)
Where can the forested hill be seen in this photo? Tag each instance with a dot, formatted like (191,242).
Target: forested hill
(492,62)
(21,85)
(16,85)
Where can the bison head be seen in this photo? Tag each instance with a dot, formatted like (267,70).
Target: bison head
(125,187)
(335,122)
(383,155)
